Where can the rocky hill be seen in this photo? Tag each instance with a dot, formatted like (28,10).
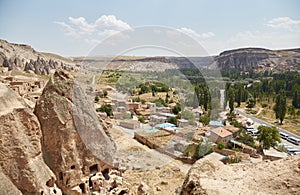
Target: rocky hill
(55,149)
(24,57)
(259,60)
(209,176)
(246,59)
(155,64)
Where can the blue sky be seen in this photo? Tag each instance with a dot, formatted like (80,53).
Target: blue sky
(73,28)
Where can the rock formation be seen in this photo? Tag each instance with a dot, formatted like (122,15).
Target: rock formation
(259,60)
(213,177)
(23,57)
(75,146)
(21,160)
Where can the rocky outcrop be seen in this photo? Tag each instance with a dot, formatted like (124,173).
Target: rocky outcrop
(23,57)
(75,145)
(21,158)
(9,100)
(143,189)
(7,186)
(259,60)
(213,177)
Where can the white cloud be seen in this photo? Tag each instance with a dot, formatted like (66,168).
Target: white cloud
(92,33)
(194,34)
(258,38)
(284,23)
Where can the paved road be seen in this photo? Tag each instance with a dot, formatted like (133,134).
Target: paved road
(265,123)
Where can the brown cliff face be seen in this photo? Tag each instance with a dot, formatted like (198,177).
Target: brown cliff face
(259,60)
(21,157)
(74,144)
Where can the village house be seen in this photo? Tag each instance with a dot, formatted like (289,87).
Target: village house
(152,107)
(121,103)
(163,109)
(197,112)
(132,106)
(182,122)
(219,134)
(154,120)
(143,112)
(130,124)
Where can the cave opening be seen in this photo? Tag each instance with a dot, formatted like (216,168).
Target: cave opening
(94,169)
(105,174)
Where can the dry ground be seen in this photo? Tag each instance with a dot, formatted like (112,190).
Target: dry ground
(153,168)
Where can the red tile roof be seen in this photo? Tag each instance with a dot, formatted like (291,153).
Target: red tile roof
(221,132)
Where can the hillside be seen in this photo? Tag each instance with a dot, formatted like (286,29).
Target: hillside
(259,60)
(132,63)
(245,59)
(213,177)
(24,57)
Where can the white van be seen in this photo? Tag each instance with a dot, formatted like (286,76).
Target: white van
(283,135)
(294,140)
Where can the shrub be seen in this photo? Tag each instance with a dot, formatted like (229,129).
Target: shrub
(141,119)
(105,93)
(221,145)
(97,99)
(205,119)
(105,108)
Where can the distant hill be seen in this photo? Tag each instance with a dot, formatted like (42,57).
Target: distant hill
(24,57)
(132,63)
(259,60)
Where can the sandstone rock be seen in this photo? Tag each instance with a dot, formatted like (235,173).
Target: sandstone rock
(97,181)
(9,100)
(21,157)
(7,187)
(143,189)
(23,57)
(158,188)
(208,176)
(74,143)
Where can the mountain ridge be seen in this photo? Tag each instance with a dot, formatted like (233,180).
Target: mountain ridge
(24,57)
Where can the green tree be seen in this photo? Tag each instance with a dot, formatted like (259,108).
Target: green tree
(105,93)
(141,119)
(251,103)
(296,99)
(245,138)
(176,109)
(280,106)
(172,120)
(268,136)
(231,99)
(221,145)
(292,111)
(188,115)
(97,99)
(105,108)
(238,96)
(205,119)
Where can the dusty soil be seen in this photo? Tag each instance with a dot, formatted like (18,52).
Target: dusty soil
(277,177)
(157,170)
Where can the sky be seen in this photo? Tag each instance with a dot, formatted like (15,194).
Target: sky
(75,28)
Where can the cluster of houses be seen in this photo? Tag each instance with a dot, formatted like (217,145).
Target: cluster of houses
(23,86)
(157,117)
